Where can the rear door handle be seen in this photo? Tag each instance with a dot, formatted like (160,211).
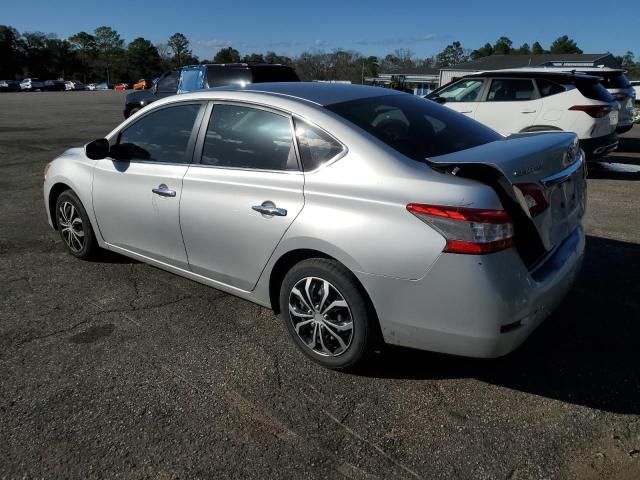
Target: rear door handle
(163,191)
(528,110)
(269,208)
(466,111)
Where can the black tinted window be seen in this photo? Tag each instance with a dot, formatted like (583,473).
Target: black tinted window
(161,136)
(612,79)
(593,90)
(510,90)
(274,74)
(548,88)
(316,147)
(415,127)
(243,137)
(168,83)
(220,76)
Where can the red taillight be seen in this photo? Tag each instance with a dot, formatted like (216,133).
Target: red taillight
(595,111)
(467,230)
(533,197)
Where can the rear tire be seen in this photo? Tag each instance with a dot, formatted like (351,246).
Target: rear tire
(327,313)
(74,226)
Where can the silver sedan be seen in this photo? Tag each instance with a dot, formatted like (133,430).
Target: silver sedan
(360,215)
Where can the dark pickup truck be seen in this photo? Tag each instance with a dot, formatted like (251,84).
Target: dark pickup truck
(196,77)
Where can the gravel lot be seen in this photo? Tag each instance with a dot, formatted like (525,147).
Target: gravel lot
(114,368)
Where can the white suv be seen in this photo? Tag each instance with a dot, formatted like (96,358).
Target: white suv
(528,100)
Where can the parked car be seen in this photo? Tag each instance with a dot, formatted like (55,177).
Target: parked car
(91,87)
(104,86)
(196,77)
(121,86)
(636,88)
(54,86)
(9,86)
(531,100)
(617,84)
(142,84)
(32,84)
(74,85)
(352,211)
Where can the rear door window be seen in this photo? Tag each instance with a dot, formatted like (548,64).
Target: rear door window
(511,90)
(548,88)
(245,137)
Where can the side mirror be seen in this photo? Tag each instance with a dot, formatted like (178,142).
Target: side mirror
(440,100)
(98,149)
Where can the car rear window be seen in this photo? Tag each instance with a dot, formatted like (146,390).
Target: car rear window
(413,126)
(593,90)
(613,80)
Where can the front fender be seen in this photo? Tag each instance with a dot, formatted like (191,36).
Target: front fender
(75,171)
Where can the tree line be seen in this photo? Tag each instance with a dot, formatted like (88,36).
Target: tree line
(104,55)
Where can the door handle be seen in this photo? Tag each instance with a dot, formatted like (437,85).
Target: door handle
(269,208)
(466,111)
(526,110)
(163,191)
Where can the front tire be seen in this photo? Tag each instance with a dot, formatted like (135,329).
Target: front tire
(74,226)
(327,314)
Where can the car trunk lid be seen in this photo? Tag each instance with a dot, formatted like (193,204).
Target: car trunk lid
(529,171)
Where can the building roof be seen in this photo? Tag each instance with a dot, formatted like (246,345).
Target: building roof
(499,62)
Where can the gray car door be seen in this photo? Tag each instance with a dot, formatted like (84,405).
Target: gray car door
(238,202)
(136,192)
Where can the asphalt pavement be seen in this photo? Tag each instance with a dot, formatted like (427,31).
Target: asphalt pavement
(113,368)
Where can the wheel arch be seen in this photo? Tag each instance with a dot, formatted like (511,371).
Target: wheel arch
(292,257)
(55,191)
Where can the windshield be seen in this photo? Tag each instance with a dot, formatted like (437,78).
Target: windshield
(413,126)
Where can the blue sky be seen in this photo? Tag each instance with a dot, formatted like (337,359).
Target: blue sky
(372,27)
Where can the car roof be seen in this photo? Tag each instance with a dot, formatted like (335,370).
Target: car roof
(573,69)
(322,94)
(532,73)
(236,65)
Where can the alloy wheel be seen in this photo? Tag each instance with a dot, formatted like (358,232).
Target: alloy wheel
(321,316)
(71,226)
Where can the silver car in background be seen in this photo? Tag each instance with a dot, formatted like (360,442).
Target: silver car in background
(359,214)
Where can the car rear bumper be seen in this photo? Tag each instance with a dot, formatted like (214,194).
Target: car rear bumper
(474,306)
(599,146)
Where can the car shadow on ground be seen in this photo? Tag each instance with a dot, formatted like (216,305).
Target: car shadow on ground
(107,256)
(586,353)
(629,144)
(615,167)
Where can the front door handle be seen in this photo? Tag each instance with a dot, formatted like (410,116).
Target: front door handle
(528,110)
(163,191)
(269,208)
